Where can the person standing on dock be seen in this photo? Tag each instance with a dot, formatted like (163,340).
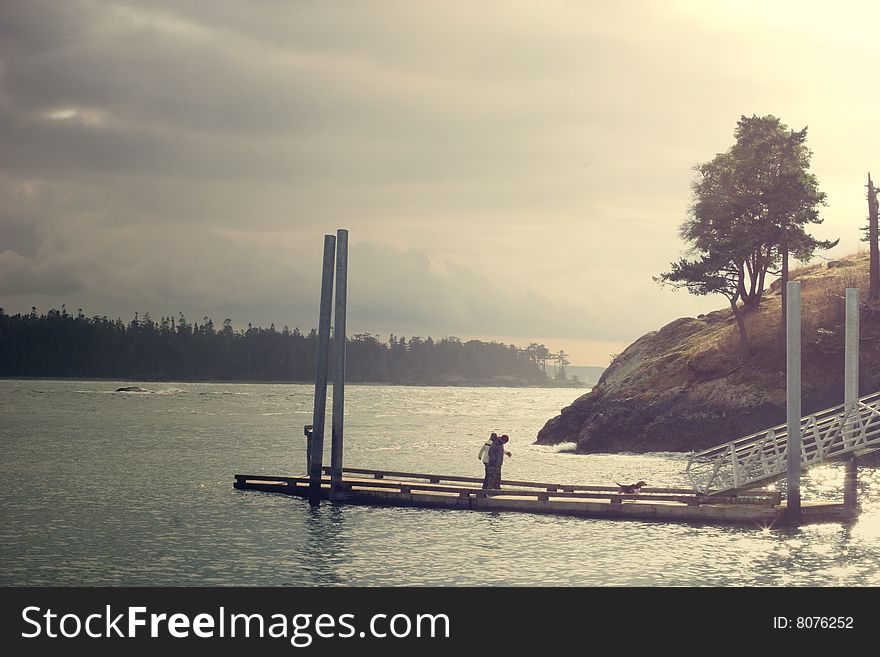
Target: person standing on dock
(483,455)
(495,461)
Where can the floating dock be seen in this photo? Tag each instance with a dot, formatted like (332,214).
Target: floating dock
(407,489)
(723,477)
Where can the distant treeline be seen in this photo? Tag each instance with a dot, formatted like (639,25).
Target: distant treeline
(59,344)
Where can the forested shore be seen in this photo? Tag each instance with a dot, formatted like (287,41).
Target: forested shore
(61,344)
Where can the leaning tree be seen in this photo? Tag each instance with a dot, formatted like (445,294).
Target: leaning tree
(750,207)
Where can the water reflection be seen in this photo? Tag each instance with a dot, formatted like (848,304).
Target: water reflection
(325,554)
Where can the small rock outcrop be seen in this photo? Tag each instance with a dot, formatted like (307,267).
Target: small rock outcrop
(684,388)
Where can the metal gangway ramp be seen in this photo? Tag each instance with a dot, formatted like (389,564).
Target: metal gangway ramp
(761,458)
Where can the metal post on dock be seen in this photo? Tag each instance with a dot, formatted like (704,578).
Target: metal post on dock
(851,390)
(321,367)
(307,432)
(793,400)
(339,361)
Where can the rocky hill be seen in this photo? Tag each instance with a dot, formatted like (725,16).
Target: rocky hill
(683,388)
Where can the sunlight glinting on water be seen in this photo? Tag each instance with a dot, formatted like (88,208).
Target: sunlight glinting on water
(136,489)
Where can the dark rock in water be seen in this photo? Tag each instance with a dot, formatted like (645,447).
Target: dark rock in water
(683,388)
(131,389)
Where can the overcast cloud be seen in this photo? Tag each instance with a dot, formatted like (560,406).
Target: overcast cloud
(505,168)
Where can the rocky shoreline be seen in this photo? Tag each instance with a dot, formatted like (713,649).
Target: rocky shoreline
(683,387)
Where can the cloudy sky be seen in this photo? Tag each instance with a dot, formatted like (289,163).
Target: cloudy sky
(510,170)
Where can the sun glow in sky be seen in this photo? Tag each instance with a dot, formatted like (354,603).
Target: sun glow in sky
(508,169)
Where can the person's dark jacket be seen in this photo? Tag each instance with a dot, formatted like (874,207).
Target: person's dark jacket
(496,455)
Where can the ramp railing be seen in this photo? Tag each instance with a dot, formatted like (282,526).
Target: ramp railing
(761,457)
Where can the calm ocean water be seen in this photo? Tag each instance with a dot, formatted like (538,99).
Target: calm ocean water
(106,488)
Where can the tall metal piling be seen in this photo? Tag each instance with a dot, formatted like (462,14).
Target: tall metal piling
(851,391)
(793,400)
(339,361)
(321,368)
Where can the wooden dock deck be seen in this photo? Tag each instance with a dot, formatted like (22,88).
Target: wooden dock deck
(388,488)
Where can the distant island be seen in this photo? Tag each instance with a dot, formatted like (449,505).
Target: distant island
(684,387)
(60,344)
